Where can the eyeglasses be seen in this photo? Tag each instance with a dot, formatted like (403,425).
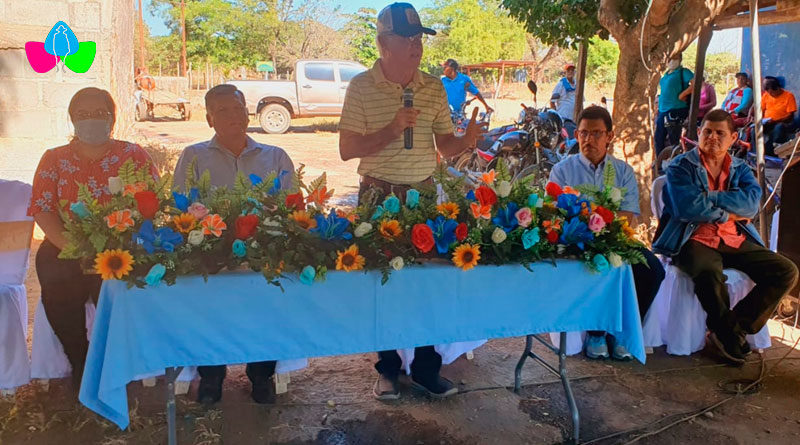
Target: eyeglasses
(407,40)
(96,114)
(595,134)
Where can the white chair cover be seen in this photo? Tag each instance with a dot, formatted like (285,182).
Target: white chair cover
(678,321)
(449,352)
(14,253)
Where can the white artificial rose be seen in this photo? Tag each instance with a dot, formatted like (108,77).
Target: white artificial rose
(503,189)
(614,259)
(499,235)
(269,222)
(560,249)
(397,263)
(362,229)
(115,185)
(196,237)
(616,195)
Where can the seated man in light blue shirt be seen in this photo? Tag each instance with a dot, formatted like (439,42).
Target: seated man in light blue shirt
(456,86)
(594,133)
(229,152)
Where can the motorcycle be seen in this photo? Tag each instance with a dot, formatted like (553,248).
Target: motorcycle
(461,120)
(531,146)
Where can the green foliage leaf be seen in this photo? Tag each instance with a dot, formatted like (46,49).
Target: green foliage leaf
(98,241)
(609,175)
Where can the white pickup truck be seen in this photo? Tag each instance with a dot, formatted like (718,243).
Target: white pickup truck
(317,89)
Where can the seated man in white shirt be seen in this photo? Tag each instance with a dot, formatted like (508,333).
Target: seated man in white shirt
(229,152)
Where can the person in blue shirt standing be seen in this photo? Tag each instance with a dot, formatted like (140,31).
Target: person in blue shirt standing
(457,84)
(563,99)
(673,103)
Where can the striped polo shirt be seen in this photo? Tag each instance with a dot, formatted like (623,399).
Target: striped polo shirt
(371,103)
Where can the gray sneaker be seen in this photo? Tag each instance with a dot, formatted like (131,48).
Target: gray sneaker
(596,347)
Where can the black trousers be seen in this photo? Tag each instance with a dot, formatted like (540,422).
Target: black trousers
(647,279)
(257,371)
(425,367)
(773,274)
(65,290)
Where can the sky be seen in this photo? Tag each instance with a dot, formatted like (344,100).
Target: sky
(729,40)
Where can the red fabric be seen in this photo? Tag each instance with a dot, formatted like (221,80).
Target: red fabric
(61,169)
(711,234)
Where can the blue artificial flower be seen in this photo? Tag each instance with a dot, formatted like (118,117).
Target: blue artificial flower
(276,183)
(307,275)
(333,227)
(378,213)
(155,275)
(255,179)
(391,204)
(571,204)
(600,263)
(181,201)
(79,209)
(530,237)
(194,195)
(444,232)
(239,248)
(576,232)
(161,240)
(412,198)
(471,195)
(535,201)
(506,218)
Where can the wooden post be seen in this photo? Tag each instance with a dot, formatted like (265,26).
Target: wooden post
(580,89)
(183,39)
(700,64)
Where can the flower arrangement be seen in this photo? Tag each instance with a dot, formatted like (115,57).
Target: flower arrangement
(148,234)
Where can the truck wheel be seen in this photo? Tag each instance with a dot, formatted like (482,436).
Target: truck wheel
(275,119)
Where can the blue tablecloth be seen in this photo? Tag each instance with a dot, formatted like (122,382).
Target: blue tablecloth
(238,318)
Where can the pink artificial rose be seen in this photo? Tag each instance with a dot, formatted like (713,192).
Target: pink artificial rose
(199,211)
(596,223)
(524,216)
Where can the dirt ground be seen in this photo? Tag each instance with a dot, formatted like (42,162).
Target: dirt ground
(330,402)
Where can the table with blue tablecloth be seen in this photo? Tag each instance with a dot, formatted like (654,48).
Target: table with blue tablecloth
(239,317)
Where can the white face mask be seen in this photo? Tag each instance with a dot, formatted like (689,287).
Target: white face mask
(674,64)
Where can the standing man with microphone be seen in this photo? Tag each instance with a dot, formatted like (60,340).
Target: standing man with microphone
(394,120)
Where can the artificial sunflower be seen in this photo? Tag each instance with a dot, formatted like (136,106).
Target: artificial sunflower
(185,222)
(466,256)
(448,209)
(390,229)
(627,229)
(303,219)
(113,263)
(349,260)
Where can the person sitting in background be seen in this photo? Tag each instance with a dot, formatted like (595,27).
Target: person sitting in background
(229,152)
(563,99)
(595,132)
(90,158)
(708,99)
(778,107)
(709,200)
(740,99)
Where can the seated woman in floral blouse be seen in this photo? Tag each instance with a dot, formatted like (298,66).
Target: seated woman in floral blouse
(90,158)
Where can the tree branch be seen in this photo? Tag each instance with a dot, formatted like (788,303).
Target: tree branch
(610,18)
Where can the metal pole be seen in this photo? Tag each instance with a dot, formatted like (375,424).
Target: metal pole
(700,65)
(171,374)
(580,89)
(759,128)
(562,371)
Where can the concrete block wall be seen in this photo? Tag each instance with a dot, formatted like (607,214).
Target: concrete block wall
(33,107)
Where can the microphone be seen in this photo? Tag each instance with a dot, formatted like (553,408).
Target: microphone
(408,133)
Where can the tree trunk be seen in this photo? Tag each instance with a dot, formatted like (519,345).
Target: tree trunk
(635,91)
